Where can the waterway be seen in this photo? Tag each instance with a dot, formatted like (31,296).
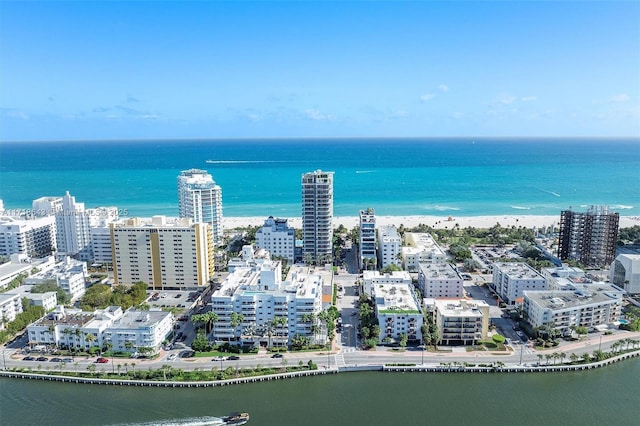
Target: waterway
(604,396)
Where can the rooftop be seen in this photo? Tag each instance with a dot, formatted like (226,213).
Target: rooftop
(439,271)
(460,308)
(395,299)
(581,295)
(517,270)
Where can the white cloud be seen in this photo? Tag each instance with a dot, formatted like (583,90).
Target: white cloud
(427,97)
(443,88)
(507,99)
(317,115)
(622,97)
(529,98)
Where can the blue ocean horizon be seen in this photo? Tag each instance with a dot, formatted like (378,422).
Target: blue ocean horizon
(395,176)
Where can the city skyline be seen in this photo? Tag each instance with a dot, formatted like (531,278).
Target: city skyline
(120,70)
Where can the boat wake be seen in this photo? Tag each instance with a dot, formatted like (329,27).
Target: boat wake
(188,421)
(244,161)
(622,207)
(550,192)
(520,208)
(364,171)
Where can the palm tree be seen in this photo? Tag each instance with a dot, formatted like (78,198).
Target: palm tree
(548,357)
(90,338)
(236,320)
(573,357)
(562,356)
(540,356)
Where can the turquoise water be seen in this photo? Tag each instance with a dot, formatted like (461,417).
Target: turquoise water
(607,396)
(395,176)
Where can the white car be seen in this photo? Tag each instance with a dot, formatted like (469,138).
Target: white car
(172,357)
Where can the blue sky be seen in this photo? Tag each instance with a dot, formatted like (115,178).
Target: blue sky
(194,69)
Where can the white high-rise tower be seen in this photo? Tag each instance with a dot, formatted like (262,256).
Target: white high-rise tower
(200,199)
(317,216)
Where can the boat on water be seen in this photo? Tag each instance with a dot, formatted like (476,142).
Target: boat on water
(236,419)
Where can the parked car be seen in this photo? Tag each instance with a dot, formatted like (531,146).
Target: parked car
(42,358)
(29,358)
(219,358)
(67,359)
(102,360)
(277,355)
(55,360)
(233,358)
(172,357)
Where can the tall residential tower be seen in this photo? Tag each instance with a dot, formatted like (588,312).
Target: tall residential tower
(200,199)
(589,237)
(317,216)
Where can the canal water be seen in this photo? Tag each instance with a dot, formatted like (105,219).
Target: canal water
(606,396)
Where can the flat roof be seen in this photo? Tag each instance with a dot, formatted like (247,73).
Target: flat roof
(460,308)
(517,270)
(396,298)
(582,295)
(439,271)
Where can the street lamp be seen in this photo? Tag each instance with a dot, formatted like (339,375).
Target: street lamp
(521,351)
(423,348)
(600,344)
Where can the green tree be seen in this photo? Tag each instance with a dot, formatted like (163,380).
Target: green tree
(200,343)
(403,340)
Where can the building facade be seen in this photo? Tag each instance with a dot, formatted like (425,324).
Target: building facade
(317,217)
(421,248)
(162,252)
(586,306)
(437,280)
(625,273)
(255,307)
(398,312)
(69,274)
(367,241)
(460,322)
(32,237)
(589,237)
(278,238)
(510,280)
(389,247)
(200,199)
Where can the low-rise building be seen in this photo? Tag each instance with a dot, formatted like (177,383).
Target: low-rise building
(561,277)
(130,331)
(10,307)
(460,321)
(625,272)
(371,278)
(398,312)
(48,300)
(510,280)
(438,280)
(70,275)
(421,248)
(587,306)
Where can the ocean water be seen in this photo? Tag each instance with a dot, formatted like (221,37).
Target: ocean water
(463,177)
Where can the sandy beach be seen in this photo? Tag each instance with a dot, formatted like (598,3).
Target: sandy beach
(441,222)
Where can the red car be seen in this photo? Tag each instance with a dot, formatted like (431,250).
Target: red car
(102,360)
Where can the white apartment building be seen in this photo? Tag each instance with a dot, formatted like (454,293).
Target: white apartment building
(317,217)
(510,280)
(46,206)
(277,238)
(72,229)
(162,252)
(587,306)
(272,311)
(460,321)
(10,307)
(437,280)
(398,312)
(372,278)
(200,199)
(33,237)
(367,242)
(562,277)
(125,331)
(421,248)
(70,275)
(389,246)
(249,257)
(625,272)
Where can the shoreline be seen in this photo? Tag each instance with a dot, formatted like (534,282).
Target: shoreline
(495,367)
(437,222)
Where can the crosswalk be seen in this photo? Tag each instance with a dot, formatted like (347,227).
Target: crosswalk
(339,360)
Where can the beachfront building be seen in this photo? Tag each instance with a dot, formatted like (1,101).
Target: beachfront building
(437,280)
(130,331)
(69,274)
(255,307)
(510,280)
(589,237)
(317,217)
(460,321)
(249,257)
(371,278)
(367,241)
(72,229)
(587,306)
(389,247)
(46,206)
(162,252)
(625,273)
(200,199)
(278,238)
(33,237)
(398,312)
(421,248)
